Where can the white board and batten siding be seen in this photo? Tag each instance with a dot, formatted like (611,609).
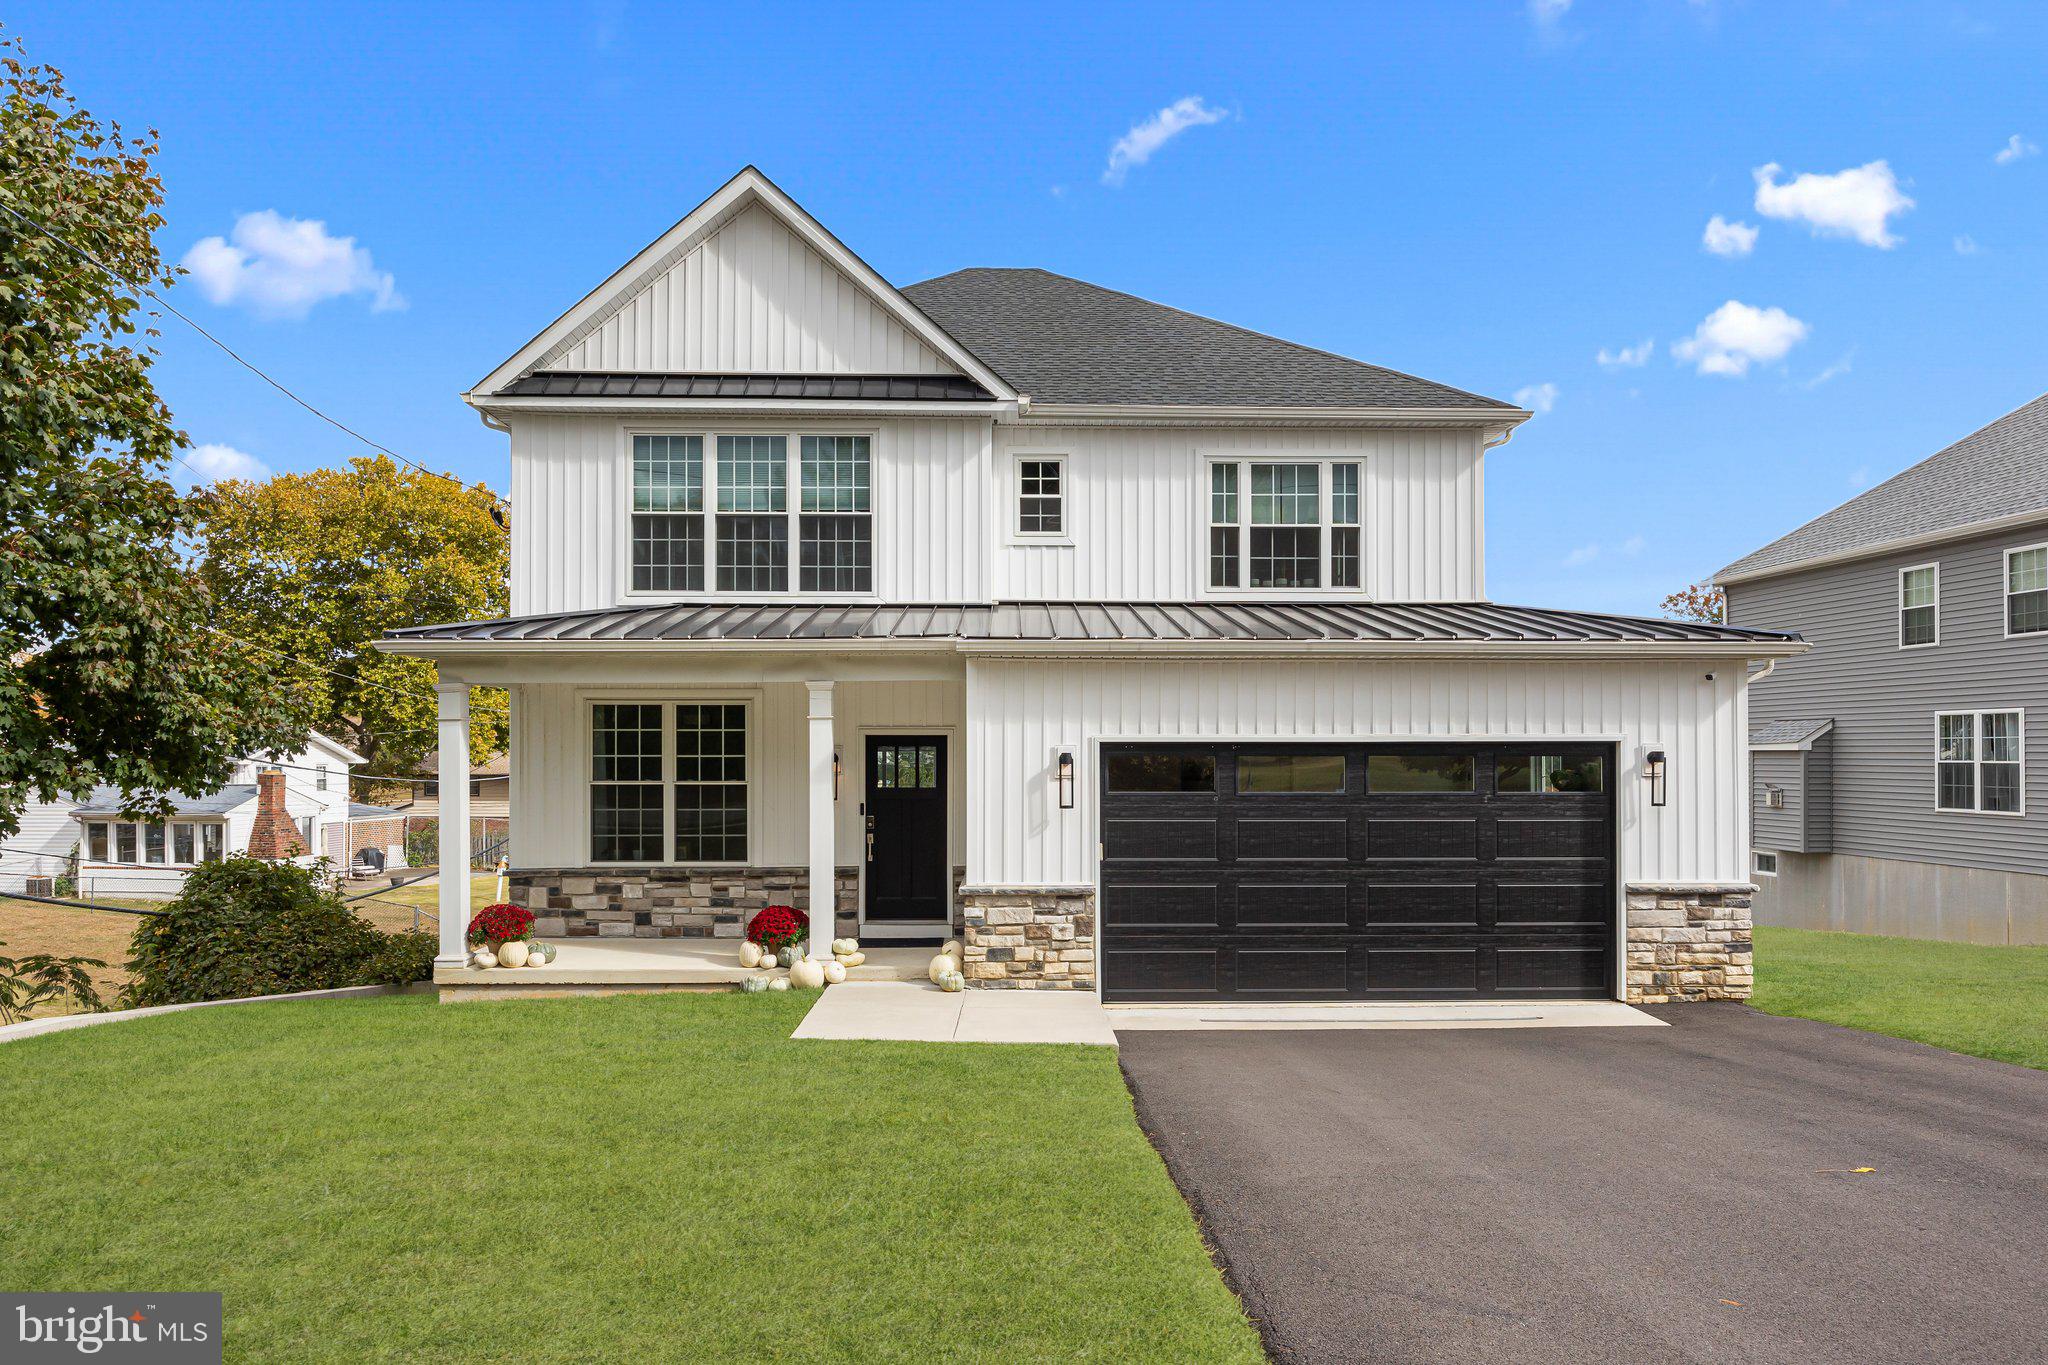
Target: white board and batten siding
(1137,509)
(1022,712)
(572,480)
(550,783)
(752,296)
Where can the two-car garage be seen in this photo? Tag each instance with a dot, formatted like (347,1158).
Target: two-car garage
(1344,871)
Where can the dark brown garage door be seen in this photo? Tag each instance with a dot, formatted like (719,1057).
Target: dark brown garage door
(1357,871)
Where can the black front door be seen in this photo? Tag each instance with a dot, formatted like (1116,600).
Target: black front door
(906,827)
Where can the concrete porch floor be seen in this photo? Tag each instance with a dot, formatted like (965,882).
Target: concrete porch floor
(659,963)
(919,1012)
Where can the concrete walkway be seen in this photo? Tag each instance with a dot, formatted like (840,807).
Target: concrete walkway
(1414,1014)
(918,1012)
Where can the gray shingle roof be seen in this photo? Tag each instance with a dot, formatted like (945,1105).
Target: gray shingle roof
(105,800)
(1419,622)
(1062,340)
(1994,472)
(1787,731)
(949,388)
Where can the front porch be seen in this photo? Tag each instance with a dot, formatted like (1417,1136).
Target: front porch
(591,966)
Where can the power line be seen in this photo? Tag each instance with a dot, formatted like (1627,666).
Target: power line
(358,680)
(231,352)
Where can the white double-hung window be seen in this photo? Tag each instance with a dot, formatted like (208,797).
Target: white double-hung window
(1919,606)
(715,513)
(668,782)
(1289,524)
(2026,590)
(1980,761)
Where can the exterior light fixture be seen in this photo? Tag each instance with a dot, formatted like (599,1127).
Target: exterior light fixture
(1653,772)
(1066,779)
(835,772)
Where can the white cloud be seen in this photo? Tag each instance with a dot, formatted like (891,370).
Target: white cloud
(1966,245)
(1735,336)
(1627,357)
(1546,12)
(1724,238)
(1834,371)
(212,462)
(1585,554)
(1136,147)
(1858,202)
(1859,477)
(281,267)
(1592,550)
(1536,397)
(2016,148)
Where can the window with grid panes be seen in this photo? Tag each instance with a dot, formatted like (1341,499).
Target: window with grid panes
(753,508)
(835,525)
(668,507)
(711,783)
(626,816)
(2026,590)
(1041,497)
(1290,525)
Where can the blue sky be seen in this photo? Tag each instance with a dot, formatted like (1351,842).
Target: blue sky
(1489,194)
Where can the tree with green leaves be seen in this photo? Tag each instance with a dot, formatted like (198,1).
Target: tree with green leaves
(314,567)
(108,672)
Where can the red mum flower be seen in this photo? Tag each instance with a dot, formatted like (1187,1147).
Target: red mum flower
(500,923)
(778,926)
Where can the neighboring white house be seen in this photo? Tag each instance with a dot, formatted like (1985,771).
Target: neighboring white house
(1151,653)
(119,856)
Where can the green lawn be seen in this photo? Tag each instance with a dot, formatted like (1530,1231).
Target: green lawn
(1989,1002)
(663,1177)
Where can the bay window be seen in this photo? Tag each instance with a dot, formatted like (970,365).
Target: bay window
(1285,524)
(1979,761)
(669,782)
(724,520)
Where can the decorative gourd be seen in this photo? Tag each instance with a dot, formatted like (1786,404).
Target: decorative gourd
(780,983)
(950,948)
(539,954)
(754,985)
(843,946)
(483,957)
(853,959)
(944,962)
(835,972)
(512,953)
(807,975)
(750,954)
(789,956)
(950,982)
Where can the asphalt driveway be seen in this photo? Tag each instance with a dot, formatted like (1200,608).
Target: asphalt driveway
(1675,1194)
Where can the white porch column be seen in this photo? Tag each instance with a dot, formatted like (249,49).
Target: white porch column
(454,833)
(824,906)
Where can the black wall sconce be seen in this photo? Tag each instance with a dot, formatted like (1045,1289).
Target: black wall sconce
(1653,771)
(835,774)
(1066,780)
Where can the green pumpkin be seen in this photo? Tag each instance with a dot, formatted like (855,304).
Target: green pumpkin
(789,955)
(754,985)
(950,982)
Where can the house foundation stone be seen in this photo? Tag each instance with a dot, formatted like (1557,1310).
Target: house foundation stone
(1028,938)
(1689,941)
(669,902)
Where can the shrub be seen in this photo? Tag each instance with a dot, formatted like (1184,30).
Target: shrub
(244,927)
(501,923)
(778,926)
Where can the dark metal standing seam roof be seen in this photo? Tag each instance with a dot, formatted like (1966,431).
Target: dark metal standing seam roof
(921,388)
(1051,622)
(1064,340)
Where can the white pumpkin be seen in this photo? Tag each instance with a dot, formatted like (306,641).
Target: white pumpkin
(780,983)
(512,953)
(950,948)
(540,954)
(806,975)
(944,962)
(835,972)
(853,959)
(750,954)
(483,957)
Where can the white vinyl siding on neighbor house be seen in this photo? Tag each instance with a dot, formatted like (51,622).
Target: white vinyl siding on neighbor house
(751,296)
(1022,712)
(928,484)
(1139,505)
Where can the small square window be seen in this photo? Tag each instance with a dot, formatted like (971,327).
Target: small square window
(1041,497)
(1766,864)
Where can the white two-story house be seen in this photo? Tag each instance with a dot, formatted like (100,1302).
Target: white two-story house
(1151,654)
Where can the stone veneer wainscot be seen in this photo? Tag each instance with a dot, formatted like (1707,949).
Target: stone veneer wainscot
(674,902)
(1689,941)
(1029,938)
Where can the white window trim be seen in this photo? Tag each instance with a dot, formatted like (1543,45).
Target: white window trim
(1014,504)
(170,863)
(1901,604)
(668,701)
(1756,862)
(1977,761)
(1325,490)
(793,475)
(2005,594)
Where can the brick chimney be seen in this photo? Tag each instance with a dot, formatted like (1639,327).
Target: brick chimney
(273,837)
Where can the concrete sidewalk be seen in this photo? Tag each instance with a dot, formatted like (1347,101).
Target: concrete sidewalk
(915,1011)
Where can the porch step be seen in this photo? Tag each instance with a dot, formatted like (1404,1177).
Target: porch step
(892,963)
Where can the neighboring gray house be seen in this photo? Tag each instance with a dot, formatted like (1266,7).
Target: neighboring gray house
(1891,776)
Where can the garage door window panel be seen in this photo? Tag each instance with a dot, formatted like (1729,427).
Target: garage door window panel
(1550,774)
(1420,774)
(1163,773)
(1297,773)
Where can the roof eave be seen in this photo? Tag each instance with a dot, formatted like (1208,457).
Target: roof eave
(740,407)
(1453,649)
(2037,516)
(1503,419)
